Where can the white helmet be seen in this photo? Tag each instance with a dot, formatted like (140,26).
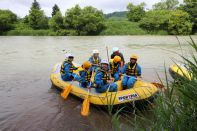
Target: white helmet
(69,55)
(104,62)
(115,49)
(95,51)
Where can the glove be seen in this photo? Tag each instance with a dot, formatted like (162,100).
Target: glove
(75,68)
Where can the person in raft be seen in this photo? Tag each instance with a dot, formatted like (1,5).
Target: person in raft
(115,68)
(132,70)
(95,60)
(116,52)
(85,74)
(102,83)
(67,68)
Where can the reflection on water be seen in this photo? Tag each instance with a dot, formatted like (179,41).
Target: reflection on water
(26,98)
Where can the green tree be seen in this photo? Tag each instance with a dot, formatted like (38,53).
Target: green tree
(72,17)
(36,18)
(55,9)
(7,20)
(155,20)
(135,13)
(190,6)
(56,22)
(26,19)
(166,5)
(87,21)
(179,23)
(36,5)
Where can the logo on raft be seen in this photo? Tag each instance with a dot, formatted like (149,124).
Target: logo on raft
(127,97)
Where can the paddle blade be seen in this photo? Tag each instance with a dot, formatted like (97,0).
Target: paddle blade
(66,91)
(158,85)
(85,107)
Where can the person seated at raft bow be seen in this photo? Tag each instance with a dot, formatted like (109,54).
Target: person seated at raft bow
(115,68)
(85,74)
(95,60)
(116,52)
(132,70)
(67,68)
(101,79)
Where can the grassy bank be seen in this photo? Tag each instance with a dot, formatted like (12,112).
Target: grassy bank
(125,27)
(114,26)
(174,110)
(30,32)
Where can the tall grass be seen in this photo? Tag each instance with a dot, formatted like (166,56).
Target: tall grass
(174,110)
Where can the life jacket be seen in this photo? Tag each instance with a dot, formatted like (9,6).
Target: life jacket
(87,76)
(114,67)
(95,61)
(131,71)
(71,68)
(105,76)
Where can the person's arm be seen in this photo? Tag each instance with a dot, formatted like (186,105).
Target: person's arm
(124,69)
(75,68)
(67,68)
(119,70)
(112,56)
(139,71)
(82,76)
(98,79)
(90,60)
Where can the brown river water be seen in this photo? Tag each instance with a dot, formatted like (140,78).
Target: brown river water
(27,101)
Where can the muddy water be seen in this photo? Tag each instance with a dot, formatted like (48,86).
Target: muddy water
(27,101)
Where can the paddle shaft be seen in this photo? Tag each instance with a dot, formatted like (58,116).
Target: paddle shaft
(108,61)
(86,103)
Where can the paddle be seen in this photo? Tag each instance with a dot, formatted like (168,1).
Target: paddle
(67,90)
(108,62)
(86,103)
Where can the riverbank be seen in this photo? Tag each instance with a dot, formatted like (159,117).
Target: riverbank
(113,27)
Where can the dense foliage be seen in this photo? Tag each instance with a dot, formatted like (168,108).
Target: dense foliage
(166,5)
(155,20)
(135,13)
(179,23)
(174,22)
(56,22)
(7,20)
(55,9)
(190,6)
(87,21)
(166,17)
(36,18)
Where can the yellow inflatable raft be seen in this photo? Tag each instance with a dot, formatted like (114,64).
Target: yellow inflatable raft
(179,69)
(140,91)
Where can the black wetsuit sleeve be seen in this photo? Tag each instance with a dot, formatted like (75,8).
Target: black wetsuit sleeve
(112,55)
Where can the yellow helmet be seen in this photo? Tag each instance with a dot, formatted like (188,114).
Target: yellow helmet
(134,56)
(117,59)
(86,65)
